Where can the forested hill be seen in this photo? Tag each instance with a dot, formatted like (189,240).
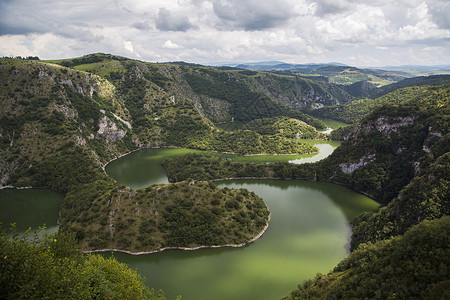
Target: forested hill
(398,155)
(60,126)
(355,110)
(220,94)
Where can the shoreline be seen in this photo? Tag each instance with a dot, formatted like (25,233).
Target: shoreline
(215,151)
(255,238)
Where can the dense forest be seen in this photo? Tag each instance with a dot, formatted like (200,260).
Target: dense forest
(355,110)
(62,121)
(54,268)
(186,214)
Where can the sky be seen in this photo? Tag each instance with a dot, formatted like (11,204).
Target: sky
(353,32)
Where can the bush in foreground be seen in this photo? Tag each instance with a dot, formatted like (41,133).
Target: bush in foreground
(54,268)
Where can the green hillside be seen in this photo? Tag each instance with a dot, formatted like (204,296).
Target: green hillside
(60,126)
(355,110)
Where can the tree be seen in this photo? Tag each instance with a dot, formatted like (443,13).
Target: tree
(54,268)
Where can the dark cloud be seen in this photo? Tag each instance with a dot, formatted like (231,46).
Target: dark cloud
(6,28)
(252,15)
(143,26)
(331,7)
(166,21)
(12,20)
(25,17)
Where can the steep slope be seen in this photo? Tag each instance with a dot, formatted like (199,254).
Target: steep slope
(390,146)
(410,82)
(49,112)
(381,154)
(426,197)
(224,94)
(299,92)
(400,155)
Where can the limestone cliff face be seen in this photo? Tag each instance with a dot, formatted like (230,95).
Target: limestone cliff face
(350,168)
(109,130)
(47,109)
(387,149)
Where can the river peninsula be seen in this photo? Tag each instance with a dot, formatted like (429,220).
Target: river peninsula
(187,215)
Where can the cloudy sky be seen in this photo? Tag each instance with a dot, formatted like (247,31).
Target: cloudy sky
(355,32)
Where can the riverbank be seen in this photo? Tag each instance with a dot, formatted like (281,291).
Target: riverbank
(209,151)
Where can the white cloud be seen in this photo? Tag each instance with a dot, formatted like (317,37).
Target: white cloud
(14,45)
(171,45)
(229,30)
(128,45)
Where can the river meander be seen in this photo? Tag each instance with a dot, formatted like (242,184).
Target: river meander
(309,233)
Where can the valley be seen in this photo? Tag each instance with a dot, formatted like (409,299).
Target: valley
(64,123)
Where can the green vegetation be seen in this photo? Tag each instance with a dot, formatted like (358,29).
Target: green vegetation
(412,82)
(376,158)
(399,154)
(246,104)
(54,268)
(203,167)
(339,74)
(186,214)
(355,110)
(342,133)
(412,266)
(298,92)
(425,197)
(285,127)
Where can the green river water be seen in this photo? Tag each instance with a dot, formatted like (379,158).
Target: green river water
(30,208)
(309,233)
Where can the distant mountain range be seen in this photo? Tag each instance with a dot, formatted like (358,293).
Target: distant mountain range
(278,65)
(343,74)
(418,68)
